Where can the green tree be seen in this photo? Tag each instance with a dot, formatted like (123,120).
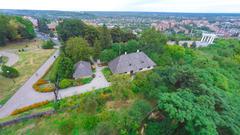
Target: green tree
(97,48)
(26,30)
(195,114)
(105,37)
(108,55)
(71,28)
(116,34)
(48,44)
(78,49)
(9,72)
(42,25)
(121,87)
(153,40)
(14,28)
(3,29)
(91,34)
(64,68)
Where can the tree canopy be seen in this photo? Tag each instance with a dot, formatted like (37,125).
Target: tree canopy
(78,49)
(14,28)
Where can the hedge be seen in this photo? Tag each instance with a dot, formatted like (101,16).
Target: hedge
(65,83)
(30,107)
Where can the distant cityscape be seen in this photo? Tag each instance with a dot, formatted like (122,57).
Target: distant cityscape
(193,25)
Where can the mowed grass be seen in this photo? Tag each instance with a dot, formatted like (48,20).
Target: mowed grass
(29,61)
(22,44)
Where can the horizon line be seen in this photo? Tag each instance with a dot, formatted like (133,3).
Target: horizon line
(125,11)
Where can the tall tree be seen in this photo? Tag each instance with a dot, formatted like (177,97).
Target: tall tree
(71,28)
(26,30)
(91,34)
(105,37)
(42,25)
(116,34)
(97,48)
(15,28)
(78,49)
(153,40)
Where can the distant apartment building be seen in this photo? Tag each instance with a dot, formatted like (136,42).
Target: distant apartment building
(164,25)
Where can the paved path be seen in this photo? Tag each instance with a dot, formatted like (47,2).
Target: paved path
(26,95)
(12,57)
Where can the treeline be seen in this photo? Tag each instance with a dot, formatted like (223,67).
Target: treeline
(93,35)
(13,28)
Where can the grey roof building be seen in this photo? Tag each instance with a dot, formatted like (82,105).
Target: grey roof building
(131,63)
(82,70)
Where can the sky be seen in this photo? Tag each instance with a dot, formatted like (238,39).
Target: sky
(192,6)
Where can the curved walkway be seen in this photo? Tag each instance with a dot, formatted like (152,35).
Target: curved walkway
(26,95)
(12,57)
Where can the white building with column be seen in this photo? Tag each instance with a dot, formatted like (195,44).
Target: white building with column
(209,38)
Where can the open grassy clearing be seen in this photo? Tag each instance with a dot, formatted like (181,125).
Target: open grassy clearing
(29,61)
(22,44)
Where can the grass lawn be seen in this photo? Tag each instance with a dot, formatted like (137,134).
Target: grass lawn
(20,45)
(29,61)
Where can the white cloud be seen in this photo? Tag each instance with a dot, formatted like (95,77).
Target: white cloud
(126,5)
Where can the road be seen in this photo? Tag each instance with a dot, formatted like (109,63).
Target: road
(26,95)
(12,57)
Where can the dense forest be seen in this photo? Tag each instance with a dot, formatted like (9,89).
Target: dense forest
(15,28)
(191,91)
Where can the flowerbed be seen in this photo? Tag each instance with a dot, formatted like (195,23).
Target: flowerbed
(43,86)
(27,108)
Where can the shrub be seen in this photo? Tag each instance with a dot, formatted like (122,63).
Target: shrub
(107,55)
(86,80)
(65,83)
(107,73)
(48,44)
(27,108)
(46,86)
(9,72)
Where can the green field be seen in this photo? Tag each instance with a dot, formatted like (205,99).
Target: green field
(29,61)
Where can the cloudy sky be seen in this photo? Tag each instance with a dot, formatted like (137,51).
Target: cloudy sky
(222,6)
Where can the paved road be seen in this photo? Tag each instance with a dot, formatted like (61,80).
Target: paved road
(12,57)
(26,95)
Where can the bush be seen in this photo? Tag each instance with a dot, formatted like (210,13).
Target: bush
(43,86)
(107,73)
(86,80)
(27,108)
(9,72)
(65,83)
(48,44)
(107,55)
